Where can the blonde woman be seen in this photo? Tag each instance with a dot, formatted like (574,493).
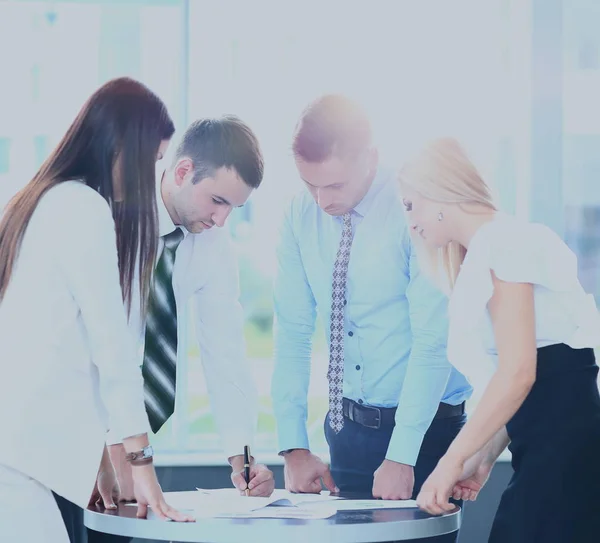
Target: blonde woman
(514,290)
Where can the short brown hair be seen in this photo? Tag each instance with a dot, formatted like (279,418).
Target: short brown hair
(223,142)
(331,125)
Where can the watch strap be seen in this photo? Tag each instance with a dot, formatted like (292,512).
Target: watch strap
(140,458)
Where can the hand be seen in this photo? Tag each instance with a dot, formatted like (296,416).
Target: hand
(123,470)
(304,471)
(439,486)
(106,490)
(475,474)
(262,482)
(148,493)
(393,481)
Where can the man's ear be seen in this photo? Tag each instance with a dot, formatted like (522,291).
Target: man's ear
(184,169)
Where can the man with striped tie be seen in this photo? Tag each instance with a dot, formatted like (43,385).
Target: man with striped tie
(216,167)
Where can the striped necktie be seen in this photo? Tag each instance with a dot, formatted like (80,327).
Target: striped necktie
(160,349)
(335,373)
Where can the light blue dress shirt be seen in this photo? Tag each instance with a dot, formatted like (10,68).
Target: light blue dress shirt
(396,320)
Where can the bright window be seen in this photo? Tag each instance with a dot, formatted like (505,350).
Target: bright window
(465,68)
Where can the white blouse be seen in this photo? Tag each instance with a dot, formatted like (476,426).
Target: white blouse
(519,252)
(68,363)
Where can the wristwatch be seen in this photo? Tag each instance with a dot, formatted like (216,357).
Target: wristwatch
(141,458)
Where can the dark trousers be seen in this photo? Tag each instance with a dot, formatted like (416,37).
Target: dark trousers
(78,533)
(357,451)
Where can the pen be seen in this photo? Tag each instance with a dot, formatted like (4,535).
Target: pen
(247,467)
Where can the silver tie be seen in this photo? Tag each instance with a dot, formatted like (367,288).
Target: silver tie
(335,373)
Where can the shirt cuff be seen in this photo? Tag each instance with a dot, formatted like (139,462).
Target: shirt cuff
(405,445)
(292,435)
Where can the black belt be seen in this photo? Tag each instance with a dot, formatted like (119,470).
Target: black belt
(380,417)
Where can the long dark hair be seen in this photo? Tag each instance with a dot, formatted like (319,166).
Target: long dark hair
(113,142)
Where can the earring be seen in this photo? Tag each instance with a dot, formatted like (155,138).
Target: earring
(440,216)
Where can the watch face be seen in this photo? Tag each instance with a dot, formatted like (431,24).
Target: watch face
(148,451)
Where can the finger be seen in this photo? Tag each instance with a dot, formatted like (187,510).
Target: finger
(473,495)
(142,510)
(395,495)
(443,503)
(94,498)
(457,493)
(265,489)
(107,500)
(434,508)
(433,504)
(176,515)
(424,501)
(447,505)
(158,509)
(329,482)
(313,487)
(430,505)
(376,493)
(259,478)
(238,481)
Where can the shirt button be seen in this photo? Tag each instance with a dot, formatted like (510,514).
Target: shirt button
(351,333)
(360,401)
(357,367)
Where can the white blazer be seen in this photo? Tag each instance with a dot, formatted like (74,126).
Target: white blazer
(68,365)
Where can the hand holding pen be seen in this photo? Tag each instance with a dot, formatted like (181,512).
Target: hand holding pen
(251,479)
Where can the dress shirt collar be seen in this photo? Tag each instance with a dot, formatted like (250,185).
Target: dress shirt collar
(165,223)
(381,176)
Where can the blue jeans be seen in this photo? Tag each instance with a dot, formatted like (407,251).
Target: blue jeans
(357,451)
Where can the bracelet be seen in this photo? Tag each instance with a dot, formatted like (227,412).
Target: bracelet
(140,458)
(141,461)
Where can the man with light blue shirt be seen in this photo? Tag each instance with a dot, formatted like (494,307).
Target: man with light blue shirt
(395,402)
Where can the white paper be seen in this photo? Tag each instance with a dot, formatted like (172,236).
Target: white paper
(184,501)
(230,499)
(229,503)
(362,505)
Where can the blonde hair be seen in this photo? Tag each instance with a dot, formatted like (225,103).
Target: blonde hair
(442,172)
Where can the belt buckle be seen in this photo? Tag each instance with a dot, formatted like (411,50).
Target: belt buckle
(378,425)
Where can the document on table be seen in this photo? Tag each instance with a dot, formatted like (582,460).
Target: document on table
(228,503)
(363,505)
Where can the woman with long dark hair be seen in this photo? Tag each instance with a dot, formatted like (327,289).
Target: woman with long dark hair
(74,244)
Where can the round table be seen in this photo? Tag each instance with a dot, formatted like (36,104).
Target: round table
(371,526)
